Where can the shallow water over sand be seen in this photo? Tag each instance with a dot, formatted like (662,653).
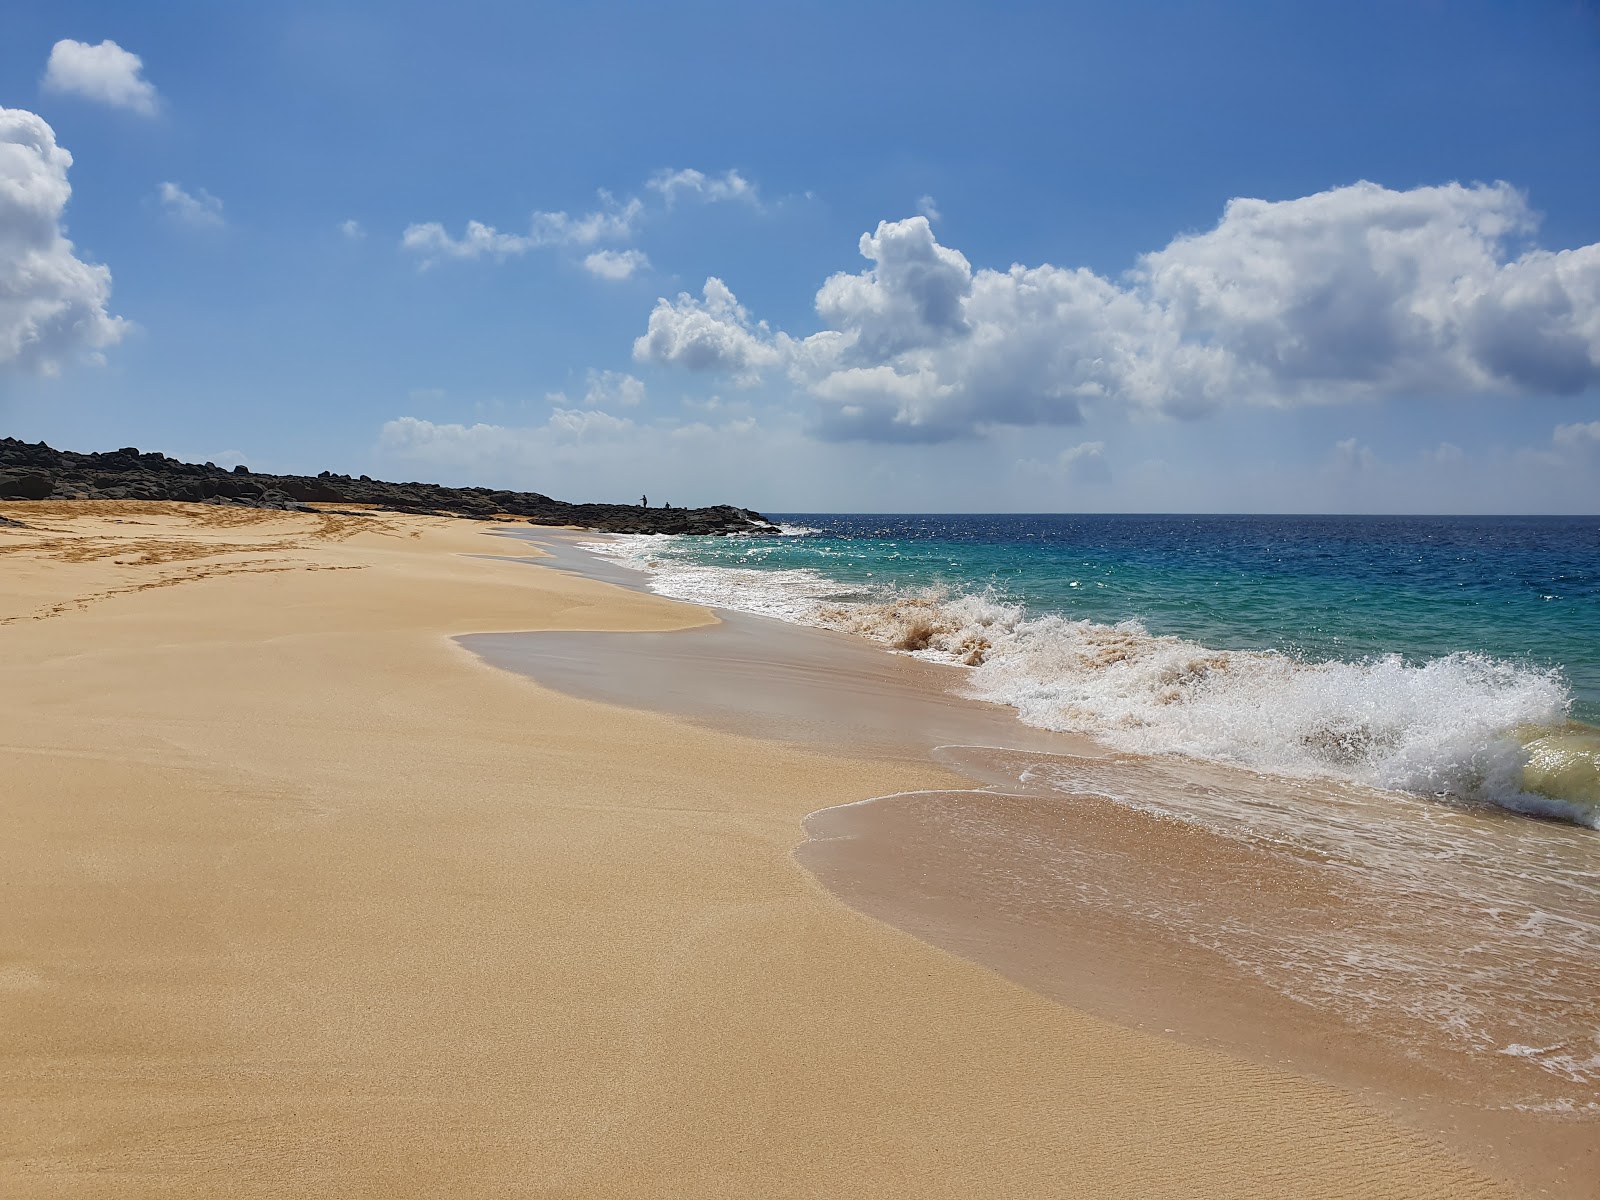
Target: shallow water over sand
(1468,937)
(1443,960)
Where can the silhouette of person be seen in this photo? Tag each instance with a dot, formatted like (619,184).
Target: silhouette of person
(644,501)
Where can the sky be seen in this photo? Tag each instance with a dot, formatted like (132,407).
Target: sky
(869,257)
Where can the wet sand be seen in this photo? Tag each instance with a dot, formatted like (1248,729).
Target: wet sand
(1068,896)
(303,900)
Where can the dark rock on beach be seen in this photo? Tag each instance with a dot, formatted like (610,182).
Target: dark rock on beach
(35,471)
(25,487)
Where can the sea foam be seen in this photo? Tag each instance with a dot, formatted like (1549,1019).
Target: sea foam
(1452,726)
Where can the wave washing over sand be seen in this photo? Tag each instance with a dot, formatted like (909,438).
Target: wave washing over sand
(1469,727)
(1431,927)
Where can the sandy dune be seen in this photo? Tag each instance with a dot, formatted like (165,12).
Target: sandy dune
(300,899)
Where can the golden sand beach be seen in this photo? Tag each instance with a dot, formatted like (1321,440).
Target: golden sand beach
(303,899)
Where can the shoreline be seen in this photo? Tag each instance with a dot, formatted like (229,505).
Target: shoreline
(907,860)
(305,901)
(1489,726)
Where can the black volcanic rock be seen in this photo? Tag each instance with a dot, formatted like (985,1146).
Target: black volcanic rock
(31,486)
(38,472)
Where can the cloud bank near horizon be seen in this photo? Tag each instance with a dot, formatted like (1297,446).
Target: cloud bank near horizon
(1355,293)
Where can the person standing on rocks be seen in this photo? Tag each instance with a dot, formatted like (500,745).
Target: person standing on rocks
(644,501)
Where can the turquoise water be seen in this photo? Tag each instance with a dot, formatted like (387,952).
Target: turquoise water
(1523,589)
(1422,653)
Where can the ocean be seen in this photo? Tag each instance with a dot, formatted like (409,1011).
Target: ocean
(1388,724)
(1452,657)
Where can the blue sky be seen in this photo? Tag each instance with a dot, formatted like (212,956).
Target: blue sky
(1221,257)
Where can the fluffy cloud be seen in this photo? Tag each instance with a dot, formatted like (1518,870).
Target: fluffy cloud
(431,243)
(199,211)
(1362,288)
(352,229)
(928,207)
(713,333)
(52,304)
(913,298)
(105,73)
(612,221)
(615,264)
(1354,293)
(730,185)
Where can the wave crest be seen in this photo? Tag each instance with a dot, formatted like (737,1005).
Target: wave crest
(1464,725)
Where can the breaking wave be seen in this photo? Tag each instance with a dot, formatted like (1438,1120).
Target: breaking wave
(1464,726)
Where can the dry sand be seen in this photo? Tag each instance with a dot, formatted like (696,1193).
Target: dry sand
(300,899)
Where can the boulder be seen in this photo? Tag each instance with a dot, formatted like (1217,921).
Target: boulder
(25,487)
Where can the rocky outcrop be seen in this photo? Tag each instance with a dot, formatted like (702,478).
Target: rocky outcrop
(35,471)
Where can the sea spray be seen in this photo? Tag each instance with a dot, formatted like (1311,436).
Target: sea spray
(1445,726)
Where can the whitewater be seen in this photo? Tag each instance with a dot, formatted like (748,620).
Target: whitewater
(1013,608)
(1392,722)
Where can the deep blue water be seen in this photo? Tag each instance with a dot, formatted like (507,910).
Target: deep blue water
(1521,589)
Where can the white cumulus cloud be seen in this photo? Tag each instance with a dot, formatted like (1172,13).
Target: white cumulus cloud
(713,333)
(352,229)
(199,209)
(52,304)
(1355,293)
(914,297)
(730,185)
(1366,289)
(105,73)
(612,221)
(431,242)
(615,264)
